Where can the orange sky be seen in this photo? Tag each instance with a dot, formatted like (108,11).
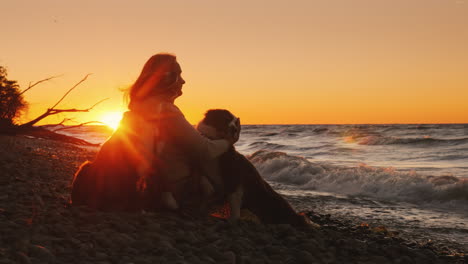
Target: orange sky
(269,62)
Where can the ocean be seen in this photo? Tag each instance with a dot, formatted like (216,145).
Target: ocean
(409,178)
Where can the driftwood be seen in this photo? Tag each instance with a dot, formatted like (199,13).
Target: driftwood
(52,110)
(40,132)
(29,129)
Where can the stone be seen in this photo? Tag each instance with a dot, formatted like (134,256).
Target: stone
(101,256)
(22,245)
(380,260)
(230,257)
(75,242)
(173,256)
(6,261)
(23,259)
(405,260)
(191,238)
(153,226)
(310,245)
(41,253)
(270,250)
(305,257)
(213,252)
(104,241)
(164,244)
(207,259)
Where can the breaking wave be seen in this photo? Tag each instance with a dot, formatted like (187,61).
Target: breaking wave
(363,180)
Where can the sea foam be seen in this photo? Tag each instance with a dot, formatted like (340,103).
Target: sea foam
(362,180)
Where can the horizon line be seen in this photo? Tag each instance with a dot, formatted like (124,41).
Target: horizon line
(311,124)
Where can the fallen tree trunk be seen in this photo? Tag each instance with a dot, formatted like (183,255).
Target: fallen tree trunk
(40,132)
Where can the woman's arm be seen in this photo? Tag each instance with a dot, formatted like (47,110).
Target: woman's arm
(190,139)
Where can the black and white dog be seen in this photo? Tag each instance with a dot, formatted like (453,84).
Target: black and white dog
(235,178)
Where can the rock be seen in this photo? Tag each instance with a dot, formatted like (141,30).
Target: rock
(41,253)
(7,261)
(173,256)
(75,242)
(164,244)
(125,259)
(270,250)
(423,256)
(194,260)
(262,238)
(290,240)
(59,249)
(23,259)
(277,258)
(405,260)
(191,238)
(153,227)
(230,257)
(117,241)
(101,256)
(213,252)
(392,251)
(124,227)
(22,245)
(207,259)
(310,246)
(236,248)
(184,247)
(305,257)
(380,260)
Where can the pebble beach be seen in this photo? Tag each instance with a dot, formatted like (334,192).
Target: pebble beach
(38,225)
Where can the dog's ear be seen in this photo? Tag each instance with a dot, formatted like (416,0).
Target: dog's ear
(218,124)
(219,119)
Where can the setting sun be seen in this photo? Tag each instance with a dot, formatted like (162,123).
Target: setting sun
(112,119)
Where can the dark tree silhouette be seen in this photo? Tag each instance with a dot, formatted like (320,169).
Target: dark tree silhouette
(12,102)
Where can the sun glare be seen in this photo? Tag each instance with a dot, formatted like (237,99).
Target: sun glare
(112,119)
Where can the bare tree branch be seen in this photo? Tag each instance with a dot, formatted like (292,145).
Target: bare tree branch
(38,82)
(58,124)
(98,103)
(61,122)
(51,111)
(58,111)
(71,89)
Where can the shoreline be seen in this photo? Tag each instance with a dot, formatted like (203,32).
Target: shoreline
(39,226)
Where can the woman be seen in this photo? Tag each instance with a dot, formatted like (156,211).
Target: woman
(152,156)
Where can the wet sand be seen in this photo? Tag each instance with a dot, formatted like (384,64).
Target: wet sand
(38,225)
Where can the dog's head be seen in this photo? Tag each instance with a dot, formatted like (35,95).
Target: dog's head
(218,124)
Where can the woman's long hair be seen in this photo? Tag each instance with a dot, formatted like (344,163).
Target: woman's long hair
(152,80)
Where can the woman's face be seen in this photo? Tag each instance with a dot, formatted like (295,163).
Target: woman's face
(176,81)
